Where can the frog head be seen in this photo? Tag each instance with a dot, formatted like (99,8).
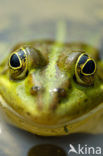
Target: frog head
(48,85)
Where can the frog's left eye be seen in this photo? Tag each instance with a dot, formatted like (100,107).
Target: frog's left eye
(18,63)
(85,69)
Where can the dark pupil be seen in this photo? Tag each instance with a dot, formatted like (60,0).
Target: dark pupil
(89,67)
(14,61)
(83,59)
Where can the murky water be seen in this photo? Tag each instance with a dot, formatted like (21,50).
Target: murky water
(35,19)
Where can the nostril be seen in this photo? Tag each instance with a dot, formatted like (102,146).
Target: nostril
(61,92)
(34,90)
(58,94)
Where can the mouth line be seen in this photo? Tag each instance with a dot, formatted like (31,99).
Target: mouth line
(83,117)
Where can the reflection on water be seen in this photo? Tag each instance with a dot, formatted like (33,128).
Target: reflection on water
(46,150)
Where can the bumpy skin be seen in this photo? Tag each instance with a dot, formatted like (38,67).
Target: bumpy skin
(48,100)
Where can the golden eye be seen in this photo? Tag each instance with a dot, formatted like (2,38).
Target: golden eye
(85,69)
(18,63)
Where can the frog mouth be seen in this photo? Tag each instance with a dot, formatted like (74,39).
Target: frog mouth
(4,106)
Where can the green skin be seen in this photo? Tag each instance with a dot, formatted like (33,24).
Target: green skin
(49,111)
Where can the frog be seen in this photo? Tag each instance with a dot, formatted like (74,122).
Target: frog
(52,89)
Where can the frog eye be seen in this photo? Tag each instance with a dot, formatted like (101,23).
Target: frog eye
(17,63)
(85,69)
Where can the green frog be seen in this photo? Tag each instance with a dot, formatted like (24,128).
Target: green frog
(51,88)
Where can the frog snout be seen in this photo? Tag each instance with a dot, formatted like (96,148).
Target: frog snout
(51,97)
(48,93)
(59,92)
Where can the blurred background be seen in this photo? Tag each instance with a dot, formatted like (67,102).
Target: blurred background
(25,20)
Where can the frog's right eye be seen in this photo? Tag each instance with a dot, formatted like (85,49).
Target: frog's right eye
(18,64)
(15,61)
(85,69)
